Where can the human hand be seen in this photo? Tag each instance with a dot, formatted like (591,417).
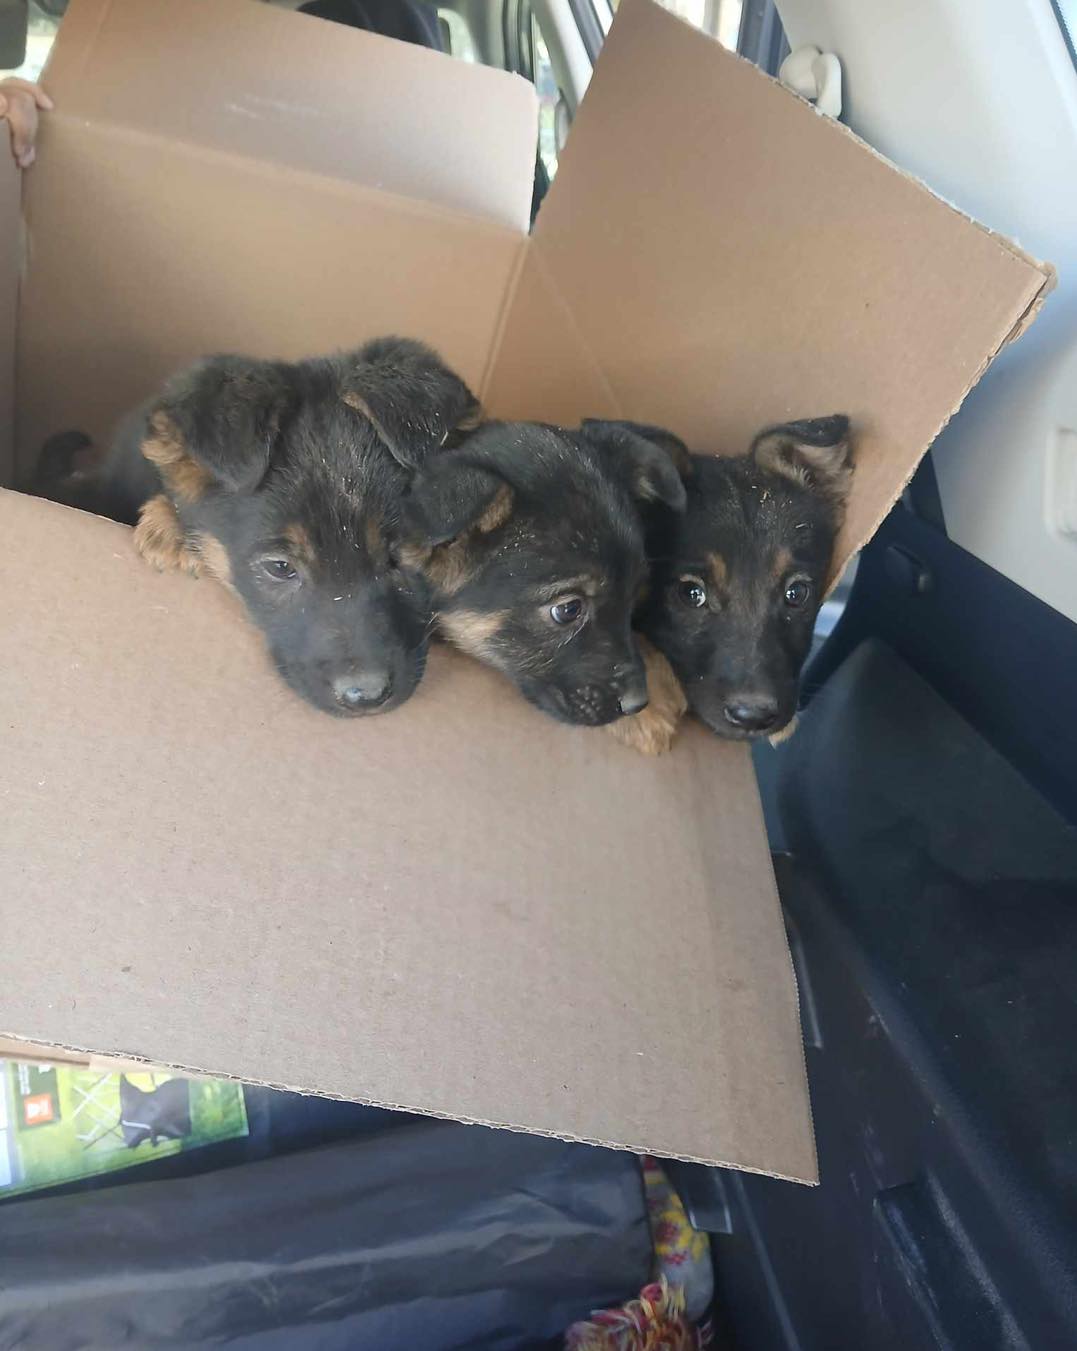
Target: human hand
(19,104)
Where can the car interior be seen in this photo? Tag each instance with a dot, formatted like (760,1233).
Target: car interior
(923,819)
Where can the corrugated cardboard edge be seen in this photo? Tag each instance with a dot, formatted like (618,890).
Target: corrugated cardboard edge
(1046,271)
(36,1053)
(1050,278)
(116,1060)
(11,240)
(1022,325)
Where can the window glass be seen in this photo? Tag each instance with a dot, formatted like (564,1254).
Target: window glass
(549,97)
(40,33)
(719,18)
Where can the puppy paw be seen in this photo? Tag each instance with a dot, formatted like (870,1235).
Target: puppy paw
(651,732)
(783,733)
(161,540)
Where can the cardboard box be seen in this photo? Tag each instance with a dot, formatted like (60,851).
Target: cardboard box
(463,908)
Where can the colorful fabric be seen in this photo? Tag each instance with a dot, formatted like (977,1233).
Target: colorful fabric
(654,1322)
(665,1316)
(682,1254)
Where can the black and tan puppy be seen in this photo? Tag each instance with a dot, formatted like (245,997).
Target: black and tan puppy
(285,481)
(738,578)
(532,540)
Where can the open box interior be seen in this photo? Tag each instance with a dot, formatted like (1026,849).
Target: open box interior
(463,908)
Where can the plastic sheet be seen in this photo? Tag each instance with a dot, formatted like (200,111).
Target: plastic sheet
(428,1235)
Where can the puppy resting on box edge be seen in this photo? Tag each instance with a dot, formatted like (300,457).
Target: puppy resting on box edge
(285,481)
(738,578)
(532,541)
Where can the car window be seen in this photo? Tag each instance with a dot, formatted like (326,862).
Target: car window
(549,97)
(42,24)
(719,18)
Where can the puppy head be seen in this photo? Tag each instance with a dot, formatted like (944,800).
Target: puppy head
(738,579)
(300,496)
(532,541)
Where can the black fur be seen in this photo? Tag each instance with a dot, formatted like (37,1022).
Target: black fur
(737,630)
(527,524)
(305,466)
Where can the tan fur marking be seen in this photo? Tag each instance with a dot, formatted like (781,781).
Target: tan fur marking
(783,733)
(185,478)
(471,419)
(719,571)
(160,538)
(783,561)
(470,630)
(165,446)
(498,512)
(448,566)
(375,544)
(651,732)
(360,405)
(213,560)
(299,542)
(826,470)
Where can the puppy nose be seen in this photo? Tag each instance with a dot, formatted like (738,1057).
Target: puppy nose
(362,689)
(752,715)
(633,698)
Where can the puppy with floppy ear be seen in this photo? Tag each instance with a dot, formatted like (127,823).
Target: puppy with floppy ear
(531,539)
(285,481)
(416,404)
(737,580)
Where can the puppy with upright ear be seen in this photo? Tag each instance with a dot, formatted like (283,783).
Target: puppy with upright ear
(414,401)
(738,579)
(814,453)
(532,541)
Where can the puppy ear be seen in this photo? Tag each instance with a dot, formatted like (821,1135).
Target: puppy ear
(450,497)
(674,447)
(815,453)
(646,456)
(216,423)
(415,402)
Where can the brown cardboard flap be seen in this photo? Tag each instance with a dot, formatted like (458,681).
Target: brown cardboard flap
(260,82)
(463,908)
(188,251)
(542,369)
(10,251)
(731,259)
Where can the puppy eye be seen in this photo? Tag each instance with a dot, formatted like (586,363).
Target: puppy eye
(797,593)
(279,569)
(692,593)
(566,611)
